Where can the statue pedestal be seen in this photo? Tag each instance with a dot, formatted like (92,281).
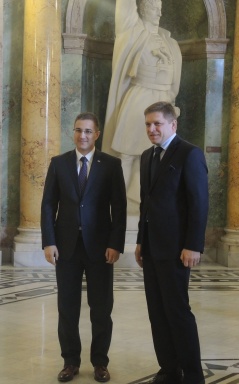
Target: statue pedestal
(127,260)
(27,250)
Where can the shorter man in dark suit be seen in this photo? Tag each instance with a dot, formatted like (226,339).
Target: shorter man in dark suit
(173,217)
(83,222)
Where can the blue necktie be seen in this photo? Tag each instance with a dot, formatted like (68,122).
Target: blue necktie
(83,175)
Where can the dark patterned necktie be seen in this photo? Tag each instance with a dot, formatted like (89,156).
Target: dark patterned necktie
(155,161)
(83,175)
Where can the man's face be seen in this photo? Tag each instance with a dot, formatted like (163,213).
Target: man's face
(85,135)
(158,128)
(151,12)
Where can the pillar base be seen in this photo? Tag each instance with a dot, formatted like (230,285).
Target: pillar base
(27,249)
(31,259)
(228,249)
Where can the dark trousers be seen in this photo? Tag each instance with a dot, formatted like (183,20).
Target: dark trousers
(99,278)
(173,325)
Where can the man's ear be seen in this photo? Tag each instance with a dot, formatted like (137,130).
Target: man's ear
(97,134)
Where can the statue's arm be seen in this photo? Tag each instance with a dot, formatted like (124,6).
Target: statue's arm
(126,15)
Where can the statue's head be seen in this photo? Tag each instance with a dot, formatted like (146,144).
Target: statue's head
(150,10)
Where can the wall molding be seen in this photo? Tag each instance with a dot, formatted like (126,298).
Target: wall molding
(203,49)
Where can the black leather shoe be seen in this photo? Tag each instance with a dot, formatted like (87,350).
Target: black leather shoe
(167,378)
(101,374)
(68,373)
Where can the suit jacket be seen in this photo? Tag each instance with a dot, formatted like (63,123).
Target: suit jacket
(175,205)
(102,208)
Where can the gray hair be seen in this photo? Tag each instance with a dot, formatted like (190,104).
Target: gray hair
(167,110)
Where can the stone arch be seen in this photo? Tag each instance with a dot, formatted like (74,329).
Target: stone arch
(216,19)
(76,41)
(74,16)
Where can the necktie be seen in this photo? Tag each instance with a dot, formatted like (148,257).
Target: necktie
(155,160)
(83,175)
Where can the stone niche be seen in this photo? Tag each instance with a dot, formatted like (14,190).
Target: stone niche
(202,36)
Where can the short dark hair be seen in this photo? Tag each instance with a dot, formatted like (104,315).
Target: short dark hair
(164,107)
(88,116)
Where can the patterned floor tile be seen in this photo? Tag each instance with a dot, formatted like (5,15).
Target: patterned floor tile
(18,284)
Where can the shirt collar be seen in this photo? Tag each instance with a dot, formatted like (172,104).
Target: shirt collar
(167,142)
(89,155)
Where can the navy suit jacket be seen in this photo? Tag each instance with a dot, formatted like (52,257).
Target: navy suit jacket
(103,206)
(175,205)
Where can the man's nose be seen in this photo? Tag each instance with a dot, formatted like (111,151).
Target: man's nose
(151,127)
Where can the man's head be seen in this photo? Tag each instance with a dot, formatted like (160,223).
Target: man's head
(160,121)
(150,10)
(86,132)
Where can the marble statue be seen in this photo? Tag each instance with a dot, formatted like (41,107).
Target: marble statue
(146,68)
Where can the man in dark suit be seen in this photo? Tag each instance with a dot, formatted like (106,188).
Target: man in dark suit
(83,222)
(173,216)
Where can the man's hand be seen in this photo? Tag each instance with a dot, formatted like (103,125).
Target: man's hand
(111,255)
(190,258)
(51,254)
(138,256)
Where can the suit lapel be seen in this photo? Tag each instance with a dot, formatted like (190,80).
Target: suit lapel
(71,163)
(162,166)
(94,171)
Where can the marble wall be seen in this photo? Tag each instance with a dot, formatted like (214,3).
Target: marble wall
(204,97)
(71,76)
(1,67)
(13,11)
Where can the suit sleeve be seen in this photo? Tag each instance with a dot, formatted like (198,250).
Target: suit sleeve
(142,197)
(49,207)
(118,209)
(196,188)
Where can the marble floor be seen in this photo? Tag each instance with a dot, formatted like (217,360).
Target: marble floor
(29,350)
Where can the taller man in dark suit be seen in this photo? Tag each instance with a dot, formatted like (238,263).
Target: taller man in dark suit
(173,216)
(83,222)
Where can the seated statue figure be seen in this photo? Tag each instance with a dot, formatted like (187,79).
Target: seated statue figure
(146,68)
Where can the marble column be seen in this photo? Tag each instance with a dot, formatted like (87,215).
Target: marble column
(228,250)
(40,127)
(1,100)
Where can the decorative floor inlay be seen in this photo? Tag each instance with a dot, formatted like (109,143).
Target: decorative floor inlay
(18,284)
(215,372)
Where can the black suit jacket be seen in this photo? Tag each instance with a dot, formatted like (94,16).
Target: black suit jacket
(103,207)
(175,205)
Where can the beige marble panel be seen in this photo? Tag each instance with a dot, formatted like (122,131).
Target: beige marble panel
(40,102)
(233,165)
